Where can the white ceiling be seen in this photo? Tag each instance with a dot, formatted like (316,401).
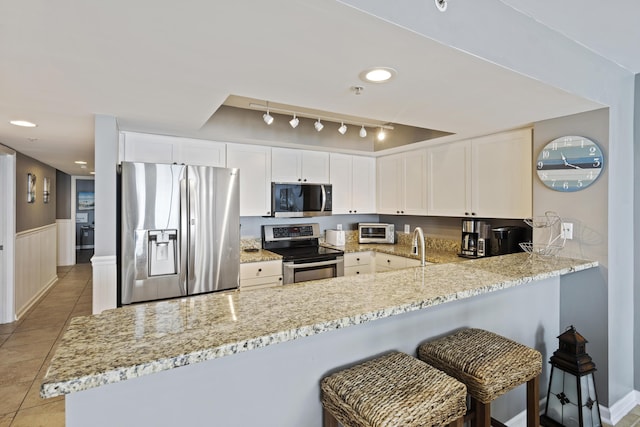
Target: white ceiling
(166,67)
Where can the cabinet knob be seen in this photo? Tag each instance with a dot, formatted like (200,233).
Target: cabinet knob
(355,211)
(357,272)
(358,259)
(397,211)
(349,211)
(389,261)
(280,279)
(401,211)
(259,270)
(268,212)
(305,180)
(473,213)
(299,179)
(466,213)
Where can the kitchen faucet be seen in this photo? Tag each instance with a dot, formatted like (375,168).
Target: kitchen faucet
(418,235)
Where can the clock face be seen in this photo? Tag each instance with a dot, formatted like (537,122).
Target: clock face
(570,163)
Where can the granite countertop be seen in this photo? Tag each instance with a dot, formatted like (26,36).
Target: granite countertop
(138,340)
(258,256)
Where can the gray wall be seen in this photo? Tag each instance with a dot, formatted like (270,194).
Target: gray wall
(63,195)
(37,214)
(106,147)
(584,299)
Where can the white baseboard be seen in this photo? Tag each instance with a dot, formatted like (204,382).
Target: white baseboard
(613,414)
(610,416)
(34,299)
(104,283)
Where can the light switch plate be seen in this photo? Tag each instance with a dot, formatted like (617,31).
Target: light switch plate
(567,230)
(407,228)
(339,227)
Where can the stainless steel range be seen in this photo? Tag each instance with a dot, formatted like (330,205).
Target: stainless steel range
(302,256)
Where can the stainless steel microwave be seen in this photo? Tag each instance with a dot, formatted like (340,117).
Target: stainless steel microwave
(293,200)
(375,232)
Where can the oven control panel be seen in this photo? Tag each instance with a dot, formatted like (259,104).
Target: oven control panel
(291,231)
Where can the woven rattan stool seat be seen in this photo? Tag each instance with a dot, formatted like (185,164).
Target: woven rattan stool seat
(393,390)
(489,364)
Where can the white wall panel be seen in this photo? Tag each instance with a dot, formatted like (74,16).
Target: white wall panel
(104,283)
(65,242)
(35,265)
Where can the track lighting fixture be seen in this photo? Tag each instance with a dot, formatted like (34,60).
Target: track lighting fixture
(381,134)
(342,129)
(318,125)
(294,122)
(363,132)
(441,5)
(268,118)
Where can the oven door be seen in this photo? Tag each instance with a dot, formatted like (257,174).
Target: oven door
(293,272)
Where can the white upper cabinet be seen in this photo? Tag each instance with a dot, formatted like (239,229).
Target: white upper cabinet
(289,165)
(402,183)
(488,177)
(254,162)
(502,174)
(449,178)
(353,183)
(148,148)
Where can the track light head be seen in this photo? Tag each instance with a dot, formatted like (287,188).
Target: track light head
(441,5)
(381,134)
(318,125)
(268,118)
(342,129)
(363,132)
(294,122)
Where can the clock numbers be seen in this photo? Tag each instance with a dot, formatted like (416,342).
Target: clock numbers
(570,163)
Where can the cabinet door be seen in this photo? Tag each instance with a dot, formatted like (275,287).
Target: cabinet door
(389,184)
(449,174)
(501,181)
(363,185)
(415,183)
(341,171)
(142,147)
(254,163)
(315,166)
(386,262)
(286,165)
(199,152)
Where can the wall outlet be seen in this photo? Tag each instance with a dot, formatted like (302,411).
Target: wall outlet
(338,227)
(566,232)
(407,228)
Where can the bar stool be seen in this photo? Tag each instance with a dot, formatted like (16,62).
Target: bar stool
(489,365)
(392,390)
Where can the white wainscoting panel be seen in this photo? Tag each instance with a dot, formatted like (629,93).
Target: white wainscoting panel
(35,260)
(104,283)
(66,254)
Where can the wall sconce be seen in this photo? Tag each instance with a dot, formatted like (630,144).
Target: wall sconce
(572,399)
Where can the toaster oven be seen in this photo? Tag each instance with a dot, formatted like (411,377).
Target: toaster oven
(375,232)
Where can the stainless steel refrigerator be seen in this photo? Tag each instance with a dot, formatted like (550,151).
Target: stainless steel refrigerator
(180,231)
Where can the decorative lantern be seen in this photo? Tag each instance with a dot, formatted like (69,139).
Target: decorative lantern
(572,399)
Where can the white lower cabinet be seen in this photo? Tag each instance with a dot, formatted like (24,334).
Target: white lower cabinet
(358,263)
(385,262)
(265,274)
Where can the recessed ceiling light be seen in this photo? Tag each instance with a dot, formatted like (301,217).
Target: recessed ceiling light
(80,162)
(92,173)
(378,75)
(83,166)
(23,123)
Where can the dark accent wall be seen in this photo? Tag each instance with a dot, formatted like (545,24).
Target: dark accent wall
(85,238)
(63,195)
(37,214)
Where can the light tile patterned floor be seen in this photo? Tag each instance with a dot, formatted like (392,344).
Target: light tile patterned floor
(27,345)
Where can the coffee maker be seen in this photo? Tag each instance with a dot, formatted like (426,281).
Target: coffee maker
(476,238)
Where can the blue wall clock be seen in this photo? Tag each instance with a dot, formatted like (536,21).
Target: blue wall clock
(570,163)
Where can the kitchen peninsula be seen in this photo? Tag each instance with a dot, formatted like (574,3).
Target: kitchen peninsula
(256,358)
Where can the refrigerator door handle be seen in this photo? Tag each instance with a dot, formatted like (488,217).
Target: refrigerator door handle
(324,198)
(184,237)
(192,231)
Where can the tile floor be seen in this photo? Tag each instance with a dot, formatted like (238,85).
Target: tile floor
(26,346)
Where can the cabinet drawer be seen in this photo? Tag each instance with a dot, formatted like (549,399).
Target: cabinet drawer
(357,258)
(253,270)
(390,261)
(261,282)
(357,269)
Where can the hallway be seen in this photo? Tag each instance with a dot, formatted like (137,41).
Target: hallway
(26,347)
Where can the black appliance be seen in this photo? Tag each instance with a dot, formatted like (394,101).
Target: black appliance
(506,240)
(300,200)
(302,256)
